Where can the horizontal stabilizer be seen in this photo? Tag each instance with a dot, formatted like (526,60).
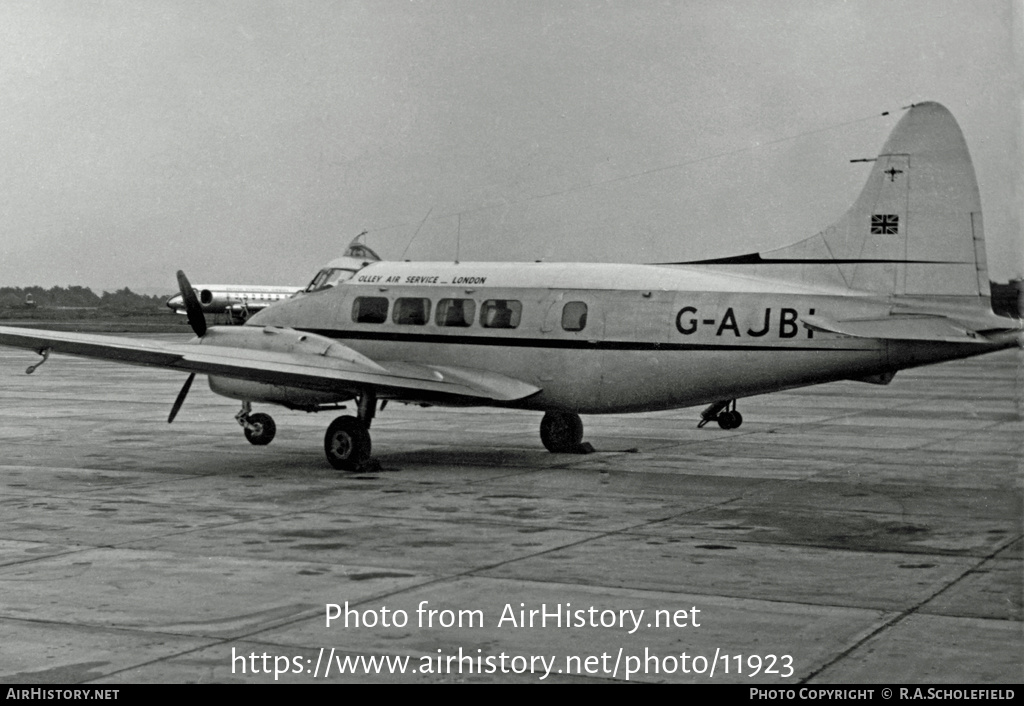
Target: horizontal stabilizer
(906,327)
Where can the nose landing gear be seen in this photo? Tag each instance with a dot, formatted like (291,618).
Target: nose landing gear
(259,428)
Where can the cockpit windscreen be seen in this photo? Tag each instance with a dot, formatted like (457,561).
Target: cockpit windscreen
(328,277)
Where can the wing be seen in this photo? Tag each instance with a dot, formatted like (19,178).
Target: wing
(283,356)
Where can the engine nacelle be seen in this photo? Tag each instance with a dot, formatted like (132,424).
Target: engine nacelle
(288,341)
(292,397)
(214,302)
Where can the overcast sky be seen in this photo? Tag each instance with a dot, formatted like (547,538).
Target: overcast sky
(248,142)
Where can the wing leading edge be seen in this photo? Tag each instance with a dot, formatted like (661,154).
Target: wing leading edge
(282,357)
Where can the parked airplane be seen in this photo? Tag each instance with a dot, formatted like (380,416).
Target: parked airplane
(899,281)
(237,300)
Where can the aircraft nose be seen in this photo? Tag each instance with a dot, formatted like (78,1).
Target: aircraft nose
(175,303)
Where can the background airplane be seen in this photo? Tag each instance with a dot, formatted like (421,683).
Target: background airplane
(237,300)
(899,281)
(240,301)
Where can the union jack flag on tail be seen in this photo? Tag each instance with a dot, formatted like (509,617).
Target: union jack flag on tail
(885,224)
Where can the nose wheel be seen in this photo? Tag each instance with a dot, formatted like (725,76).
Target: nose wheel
(259,428)
(724,412)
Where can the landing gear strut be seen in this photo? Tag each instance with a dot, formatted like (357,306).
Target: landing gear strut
(347,441)
(45,352)
(724,413)
(562,432)
(259,428)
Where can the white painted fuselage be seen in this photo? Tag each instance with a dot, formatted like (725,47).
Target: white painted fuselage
(654,337)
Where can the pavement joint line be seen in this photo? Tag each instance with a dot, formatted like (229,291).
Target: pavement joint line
(107,628)
(131,484)
(69,552)
(965,434)
(929,553)
(902,615)
(136,631)
(126,544)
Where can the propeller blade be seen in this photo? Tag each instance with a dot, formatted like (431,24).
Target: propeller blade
(181,397)
(192,308)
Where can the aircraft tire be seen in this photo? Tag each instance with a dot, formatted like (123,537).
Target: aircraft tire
(730,420)
(347,444)
(266,429)
(561,432)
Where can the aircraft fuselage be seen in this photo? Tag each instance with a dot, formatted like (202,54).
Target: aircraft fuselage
(599,338)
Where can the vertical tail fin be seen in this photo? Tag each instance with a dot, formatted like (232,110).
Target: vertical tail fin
(915,229)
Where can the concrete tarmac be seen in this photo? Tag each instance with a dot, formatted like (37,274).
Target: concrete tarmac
(846,533)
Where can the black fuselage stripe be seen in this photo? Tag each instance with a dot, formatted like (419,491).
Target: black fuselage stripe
(516,342)
(756,259)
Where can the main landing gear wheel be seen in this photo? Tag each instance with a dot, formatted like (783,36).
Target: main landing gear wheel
(347,444)
(561,432)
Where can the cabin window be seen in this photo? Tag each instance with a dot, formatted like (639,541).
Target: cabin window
(455,312)
(574,316)
(411,311)
(500,313)
(370,310)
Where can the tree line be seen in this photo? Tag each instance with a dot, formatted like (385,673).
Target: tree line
(77,297)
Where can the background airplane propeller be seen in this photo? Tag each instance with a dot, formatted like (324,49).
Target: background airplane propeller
(198,323)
